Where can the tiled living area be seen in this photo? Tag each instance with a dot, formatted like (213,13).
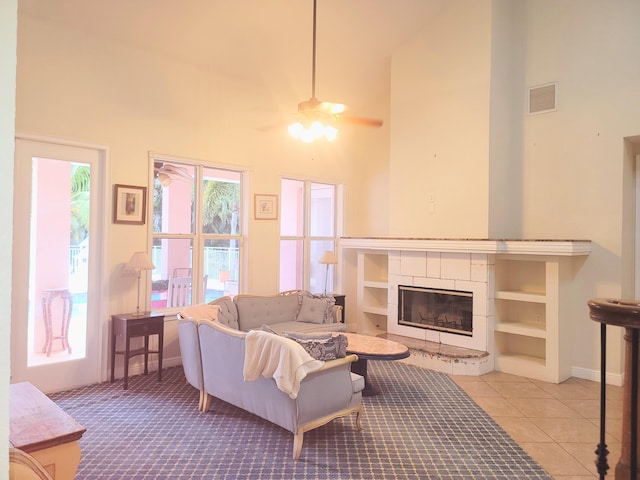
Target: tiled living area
(558,425)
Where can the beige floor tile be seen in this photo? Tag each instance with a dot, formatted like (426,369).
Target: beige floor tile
(576,430)
(555,460)
(479,389)
(574,477)
(498,407)
(585,454)
(569,390)
(503,377)
(519,390)
(522,430)
(460,379)
(541,408)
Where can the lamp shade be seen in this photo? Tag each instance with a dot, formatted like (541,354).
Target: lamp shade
(328,258)
(140,261)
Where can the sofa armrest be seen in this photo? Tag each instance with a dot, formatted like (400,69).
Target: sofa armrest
(328,365)
(337,314)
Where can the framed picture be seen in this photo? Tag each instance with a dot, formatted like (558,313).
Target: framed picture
(129,204)
(265,207)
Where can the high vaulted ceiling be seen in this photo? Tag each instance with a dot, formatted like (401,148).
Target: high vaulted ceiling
(267,41)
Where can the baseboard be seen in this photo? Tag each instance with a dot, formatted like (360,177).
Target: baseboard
(137,368)
(616,379)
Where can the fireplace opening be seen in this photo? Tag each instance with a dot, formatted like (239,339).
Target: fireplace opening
(436,309)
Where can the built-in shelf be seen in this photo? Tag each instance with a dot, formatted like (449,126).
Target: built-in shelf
(530,294)
(527,331)
(538,297)
(373,289)
(522,328)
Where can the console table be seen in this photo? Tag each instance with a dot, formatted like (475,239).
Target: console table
(42,429)
(128,326)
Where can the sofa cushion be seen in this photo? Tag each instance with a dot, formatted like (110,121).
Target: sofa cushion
(323,349)
(228,313)
(256,310)
(306,327)
(312,310)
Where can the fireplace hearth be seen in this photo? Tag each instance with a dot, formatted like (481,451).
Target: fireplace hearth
(448,311)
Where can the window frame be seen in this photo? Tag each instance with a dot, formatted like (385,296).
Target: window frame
(197,237)
(306,237)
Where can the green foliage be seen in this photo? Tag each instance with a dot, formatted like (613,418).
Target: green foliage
(220,207)
(80,203)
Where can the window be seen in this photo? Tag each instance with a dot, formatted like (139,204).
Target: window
(196,233)
(307,230)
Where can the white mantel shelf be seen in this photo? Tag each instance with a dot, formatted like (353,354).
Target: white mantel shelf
(463,245)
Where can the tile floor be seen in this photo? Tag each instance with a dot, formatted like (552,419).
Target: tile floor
(558,425)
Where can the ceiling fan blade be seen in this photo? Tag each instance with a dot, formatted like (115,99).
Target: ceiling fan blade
(366,122)
(272,126)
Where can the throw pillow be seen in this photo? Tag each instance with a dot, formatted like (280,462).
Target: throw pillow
(307,336)
(328,349)
(312,310)
(325,297)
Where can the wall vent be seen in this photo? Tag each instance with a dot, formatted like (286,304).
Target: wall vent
(542,99)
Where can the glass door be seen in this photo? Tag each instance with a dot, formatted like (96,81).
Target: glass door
(57,226)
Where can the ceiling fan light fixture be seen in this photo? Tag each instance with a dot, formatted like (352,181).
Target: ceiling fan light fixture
(312,131)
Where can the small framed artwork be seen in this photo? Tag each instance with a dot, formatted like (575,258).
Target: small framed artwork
(265,207)
(129,204)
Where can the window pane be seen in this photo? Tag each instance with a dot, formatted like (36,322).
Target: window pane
(292,207)
(291,265)
(221,268)
(323,209)
(321,277)
(172,278)
(173,198)
(220,201)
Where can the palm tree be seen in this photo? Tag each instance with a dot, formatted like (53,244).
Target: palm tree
(220,207)
(80,205)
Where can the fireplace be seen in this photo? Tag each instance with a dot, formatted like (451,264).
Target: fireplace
(443,310)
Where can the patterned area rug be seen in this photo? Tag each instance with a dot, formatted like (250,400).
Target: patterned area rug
(421,425)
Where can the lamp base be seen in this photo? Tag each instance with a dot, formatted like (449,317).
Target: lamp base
(139,314)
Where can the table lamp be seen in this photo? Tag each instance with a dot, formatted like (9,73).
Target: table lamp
(327,258)
(140,261)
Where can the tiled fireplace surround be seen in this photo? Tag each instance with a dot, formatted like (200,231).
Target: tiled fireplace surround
(470,265)
(452,271)
(470,272)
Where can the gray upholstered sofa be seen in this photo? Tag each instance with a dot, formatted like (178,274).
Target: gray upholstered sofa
(214,355)
(292,311)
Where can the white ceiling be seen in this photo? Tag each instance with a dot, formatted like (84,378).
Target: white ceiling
(263,40)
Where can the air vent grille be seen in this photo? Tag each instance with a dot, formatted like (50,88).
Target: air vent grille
(542,98)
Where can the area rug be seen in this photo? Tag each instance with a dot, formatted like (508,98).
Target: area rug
(420,425)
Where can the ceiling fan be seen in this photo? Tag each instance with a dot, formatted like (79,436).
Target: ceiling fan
(167,172)
(315,118)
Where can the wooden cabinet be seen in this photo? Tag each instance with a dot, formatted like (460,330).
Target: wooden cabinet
(529,327)
(373,288)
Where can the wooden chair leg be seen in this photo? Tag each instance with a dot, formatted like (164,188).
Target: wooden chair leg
(297,443)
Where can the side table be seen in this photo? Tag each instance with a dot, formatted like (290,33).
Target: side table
(129,325)
(340,300)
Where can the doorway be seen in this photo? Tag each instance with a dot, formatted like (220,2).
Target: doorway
(59,219)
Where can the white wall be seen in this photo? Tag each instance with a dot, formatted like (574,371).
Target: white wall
(72,86)
(440,97)
(8,36)
(561,175)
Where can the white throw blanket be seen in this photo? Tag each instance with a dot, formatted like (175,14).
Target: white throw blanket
(270,355)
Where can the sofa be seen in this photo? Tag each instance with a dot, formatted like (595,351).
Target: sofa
(291,311)
(280,382)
